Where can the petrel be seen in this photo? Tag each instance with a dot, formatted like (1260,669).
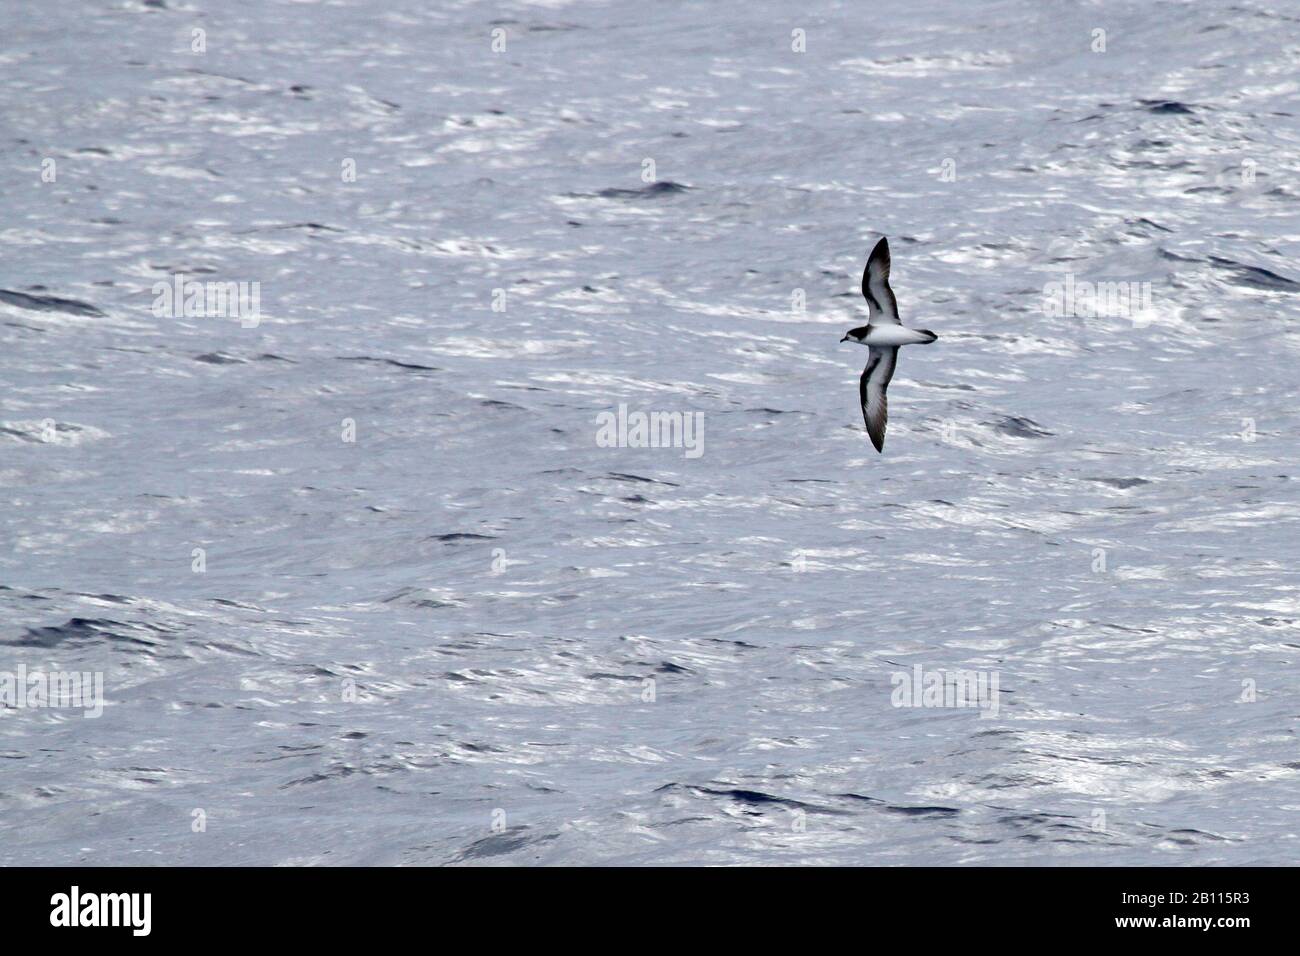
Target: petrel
(882,335)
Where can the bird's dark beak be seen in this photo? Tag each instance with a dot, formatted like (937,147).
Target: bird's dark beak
(845,339)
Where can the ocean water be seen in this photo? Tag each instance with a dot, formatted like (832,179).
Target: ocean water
(364,581)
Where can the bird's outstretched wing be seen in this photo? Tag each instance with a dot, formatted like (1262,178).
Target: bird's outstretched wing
(881,305)
(871,389)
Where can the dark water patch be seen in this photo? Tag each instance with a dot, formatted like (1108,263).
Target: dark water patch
(499,844)
(313,226)
(219,358)
(1147,223)
(741,795)
(110,598)
(655,190)
(1120,482)
(858,796)
(1018,427)
(1034,819)
(753,797)
(1190,837)
(226,647)
(462,536)
(26,327)
(409,366)
(224,602)
(481,748)
(289,751)
(335,774)
(1153,164)
(1167,107)
(434,604)
(184,270)
(49,303)
(35,433)
(1256,277)
(923,811)
(624,476)
(19,434)
(27,596)
(79,631)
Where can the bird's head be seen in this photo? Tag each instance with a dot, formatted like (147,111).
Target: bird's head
(858,335)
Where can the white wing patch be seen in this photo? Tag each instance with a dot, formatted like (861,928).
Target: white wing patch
(881,304)
(871,388)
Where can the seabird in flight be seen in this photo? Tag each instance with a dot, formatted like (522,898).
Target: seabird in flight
(883,334)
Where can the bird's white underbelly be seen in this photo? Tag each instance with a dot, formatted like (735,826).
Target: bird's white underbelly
(894,335)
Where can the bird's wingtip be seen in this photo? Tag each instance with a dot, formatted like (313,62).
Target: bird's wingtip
(879,258)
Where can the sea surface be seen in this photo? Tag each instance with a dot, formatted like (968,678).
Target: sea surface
(366,579)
